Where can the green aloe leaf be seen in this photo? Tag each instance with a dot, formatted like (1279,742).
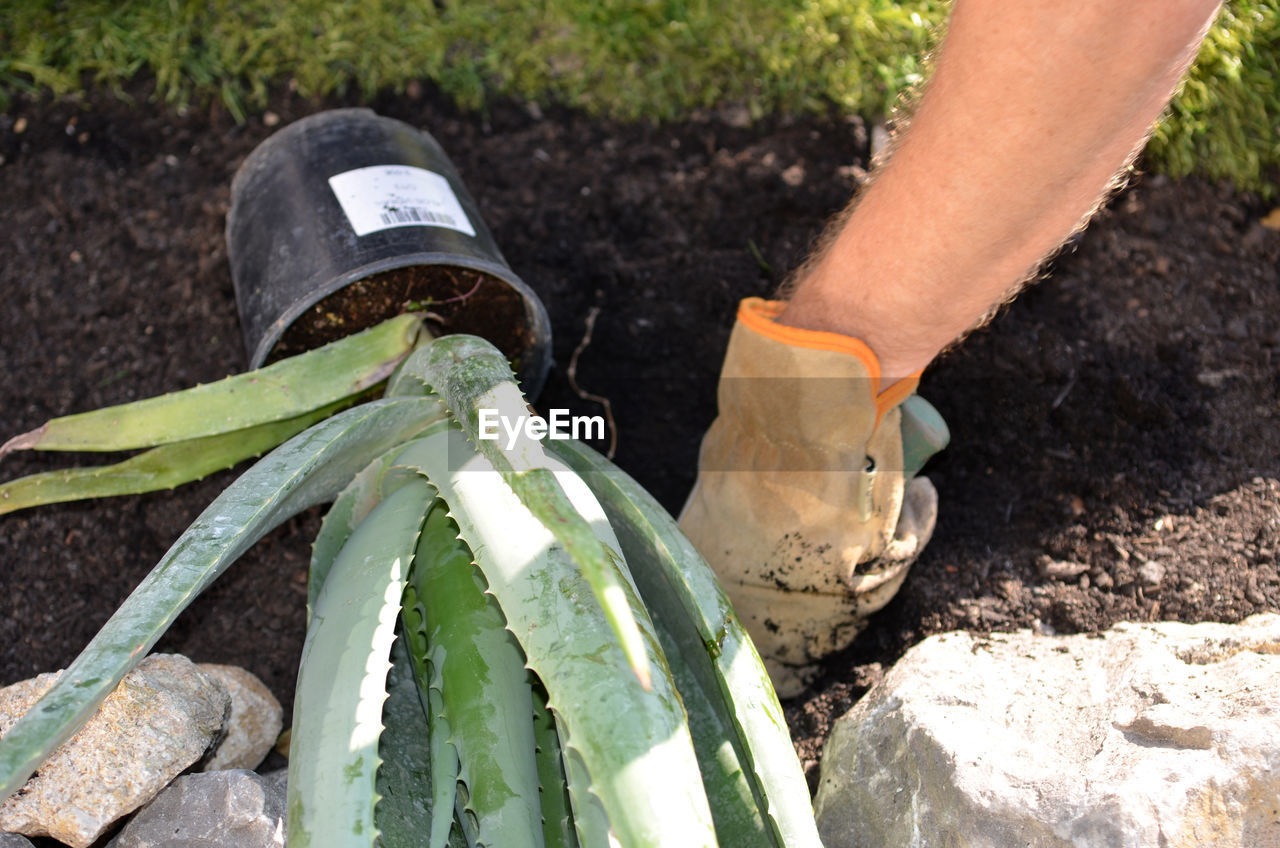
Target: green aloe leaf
(733,804)
(309,469)
(469,374)
(357,499)
(680,589)
(342,678)
(404,811)
(443,754)
(445,768)
(283,390)
(590,821)
(485,687)
(557,814)
(159,468)
(633,743)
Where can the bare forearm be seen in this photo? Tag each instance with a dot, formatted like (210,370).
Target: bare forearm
(1033,108)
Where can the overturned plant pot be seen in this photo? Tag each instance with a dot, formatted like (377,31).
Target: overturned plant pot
(346,218)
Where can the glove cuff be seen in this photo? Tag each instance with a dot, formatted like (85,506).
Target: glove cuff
(758,316)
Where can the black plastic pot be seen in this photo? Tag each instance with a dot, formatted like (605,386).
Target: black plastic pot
(346,218)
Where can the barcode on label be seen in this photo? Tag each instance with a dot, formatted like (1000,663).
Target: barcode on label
(416,215)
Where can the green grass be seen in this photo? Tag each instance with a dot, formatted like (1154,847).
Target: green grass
(625,58)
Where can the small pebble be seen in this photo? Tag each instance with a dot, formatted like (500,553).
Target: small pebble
(1216,379)
(20,126)
(794,176)
(879,140)
(852,172)
(1151,574)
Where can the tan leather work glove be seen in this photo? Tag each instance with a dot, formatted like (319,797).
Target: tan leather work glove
(801,505)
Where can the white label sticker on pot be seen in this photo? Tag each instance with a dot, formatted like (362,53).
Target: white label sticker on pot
(384,196)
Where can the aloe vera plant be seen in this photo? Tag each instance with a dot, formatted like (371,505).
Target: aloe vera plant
(580,679)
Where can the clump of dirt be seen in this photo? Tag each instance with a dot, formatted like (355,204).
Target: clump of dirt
(1115,451)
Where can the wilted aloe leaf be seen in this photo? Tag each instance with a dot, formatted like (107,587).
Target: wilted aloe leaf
(286,389)
(680,589)
(485,686)
(634,743)
(469,374)
(337,713)
(159,468)
(309,469)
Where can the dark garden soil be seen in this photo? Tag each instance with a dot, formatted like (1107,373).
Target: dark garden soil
(1116,448)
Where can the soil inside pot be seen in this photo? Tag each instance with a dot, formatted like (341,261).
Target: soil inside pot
(454,300)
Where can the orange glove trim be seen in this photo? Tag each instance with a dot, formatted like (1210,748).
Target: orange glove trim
(758,314)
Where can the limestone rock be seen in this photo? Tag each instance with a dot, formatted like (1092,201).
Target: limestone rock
(159,720)
(255,721)
(235,809)
(1148,735)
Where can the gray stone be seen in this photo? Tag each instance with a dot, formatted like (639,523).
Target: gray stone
(158,721)
(1148,735)
(212,809)
(1151,574)
(13,840)
(880,139)
(255,721)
